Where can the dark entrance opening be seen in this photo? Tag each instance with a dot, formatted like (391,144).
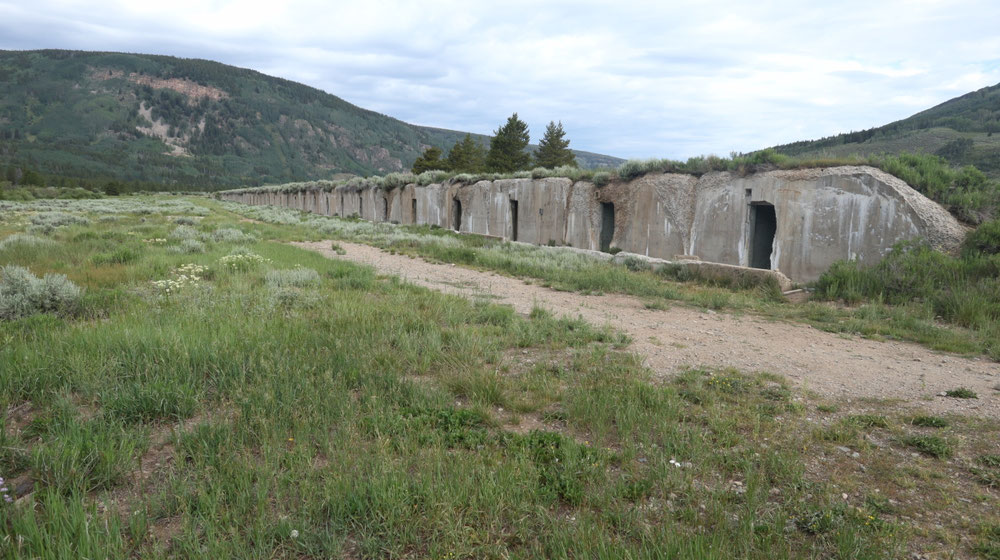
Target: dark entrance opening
(413,209)
(513,220)
(607,225)
(456,214)
(385,209)
(763,225)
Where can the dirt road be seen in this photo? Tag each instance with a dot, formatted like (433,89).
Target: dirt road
(829,364)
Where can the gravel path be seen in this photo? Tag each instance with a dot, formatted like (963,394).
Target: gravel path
(832,365)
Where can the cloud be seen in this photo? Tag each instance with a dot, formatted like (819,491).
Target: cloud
(637,79)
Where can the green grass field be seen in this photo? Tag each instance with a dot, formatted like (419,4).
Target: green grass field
(214,392)
(871,314)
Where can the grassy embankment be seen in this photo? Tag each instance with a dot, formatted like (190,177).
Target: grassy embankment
(285,405)
(942,322)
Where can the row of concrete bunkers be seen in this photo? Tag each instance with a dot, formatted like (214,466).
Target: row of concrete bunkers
(797,222)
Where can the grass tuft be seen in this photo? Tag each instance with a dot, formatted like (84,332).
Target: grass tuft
(929,445)
(961,393)
(929,422)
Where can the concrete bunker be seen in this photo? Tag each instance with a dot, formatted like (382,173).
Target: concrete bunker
(607,225)
(513,219)
(763,227)
(798,222)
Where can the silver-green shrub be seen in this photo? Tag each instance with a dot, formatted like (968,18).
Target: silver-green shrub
(601,178)
(432,176)
(25,240)
(397,180)
(184,232)
(22,293)
(232,235)
(58,219)
(298,277)
(288,298)
(124,205)
(187,247)
(632,169)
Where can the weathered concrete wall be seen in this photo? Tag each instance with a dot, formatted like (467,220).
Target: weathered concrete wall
(821,215)
(653,214)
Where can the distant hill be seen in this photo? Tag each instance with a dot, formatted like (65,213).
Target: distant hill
(964,130)
(161,119)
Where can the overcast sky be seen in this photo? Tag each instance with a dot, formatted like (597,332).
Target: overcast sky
(630,79)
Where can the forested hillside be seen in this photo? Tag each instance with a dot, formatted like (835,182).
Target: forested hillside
(196,123)
(964,130)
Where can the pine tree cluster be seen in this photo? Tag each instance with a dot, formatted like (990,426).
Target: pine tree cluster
(507,152)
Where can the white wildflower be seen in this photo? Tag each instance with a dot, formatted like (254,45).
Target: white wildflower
(182,277)
(5,492)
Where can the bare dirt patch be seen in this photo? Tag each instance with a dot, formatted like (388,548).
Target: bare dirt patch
(164,530)
(160,129)
(18,417)
(939,500)
(669,340)
(157,461)
(193,90)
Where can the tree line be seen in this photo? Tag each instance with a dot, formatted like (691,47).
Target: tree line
(507,152)
(15,177)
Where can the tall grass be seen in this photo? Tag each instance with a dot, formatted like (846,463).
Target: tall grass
(964,291)
(383,422)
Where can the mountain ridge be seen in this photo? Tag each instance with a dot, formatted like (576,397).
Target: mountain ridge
(961,130)
(164,119)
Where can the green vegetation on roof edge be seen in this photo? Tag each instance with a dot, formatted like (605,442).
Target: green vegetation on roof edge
(968,193)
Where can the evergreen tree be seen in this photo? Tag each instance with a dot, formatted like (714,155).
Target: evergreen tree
(32,177)
(14,174)
(113,188)
(553,148)
(430,160)
(467,156)
(507,147)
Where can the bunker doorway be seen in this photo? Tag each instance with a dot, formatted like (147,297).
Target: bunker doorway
(456,217)
(763,226)
(607,225)
(513,220)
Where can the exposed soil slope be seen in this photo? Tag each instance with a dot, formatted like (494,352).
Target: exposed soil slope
(830,364)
